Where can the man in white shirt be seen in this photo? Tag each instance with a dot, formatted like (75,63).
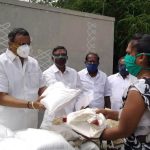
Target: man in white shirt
(59,72)
(21,83)
(95,83)
(119,83)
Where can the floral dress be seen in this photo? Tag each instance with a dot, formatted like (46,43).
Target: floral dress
(132,142)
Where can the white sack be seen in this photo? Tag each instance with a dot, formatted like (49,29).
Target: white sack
(57,96)
(11,143)
(87,122)
(40,139)
(65,131)
(5,132)
(84,100)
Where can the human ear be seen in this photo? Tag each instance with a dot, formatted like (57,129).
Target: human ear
(141,59)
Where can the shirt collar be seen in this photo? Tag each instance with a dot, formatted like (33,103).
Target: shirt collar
(97,75)
(55,69)
(118,74)
(10,54)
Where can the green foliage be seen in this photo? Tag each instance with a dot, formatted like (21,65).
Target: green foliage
(45,2)
(131,16)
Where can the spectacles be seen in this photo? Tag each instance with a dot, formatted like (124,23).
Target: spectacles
(60,56)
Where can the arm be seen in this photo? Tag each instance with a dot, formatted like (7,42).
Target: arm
(41,90)
(7,100)
(109,114)
(131,114)
(107,102)
(107,94)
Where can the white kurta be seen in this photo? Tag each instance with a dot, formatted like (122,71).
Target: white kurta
(118,86)
(21,82)
(95,87)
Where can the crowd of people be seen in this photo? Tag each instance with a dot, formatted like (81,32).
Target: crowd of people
(126,94)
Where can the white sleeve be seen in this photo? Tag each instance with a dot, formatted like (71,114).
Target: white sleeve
(41,79)
(3,80)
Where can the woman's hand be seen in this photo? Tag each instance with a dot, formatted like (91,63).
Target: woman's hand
(108,113)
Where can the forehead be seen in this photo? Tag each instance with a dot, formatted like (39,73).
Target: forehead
(60,51)
(92,57)
(130,49)
(22,39)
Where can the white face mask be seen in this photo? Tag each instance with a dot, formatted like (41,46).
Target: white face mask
(23,51)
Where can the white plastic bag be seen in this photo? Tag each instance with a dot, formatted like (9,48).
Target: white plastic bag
(40,139)
(11,143)
(57,96)
(5,132)
(87,122)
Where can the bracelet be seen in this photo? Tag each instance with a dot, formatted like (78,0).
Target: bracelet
(32,105)
(28,104)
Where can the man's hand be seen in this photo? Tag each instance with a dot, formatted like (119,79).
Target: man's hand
(37,104)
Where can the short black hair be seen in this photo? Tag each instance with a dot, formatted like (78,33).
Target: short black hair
(92,53)
(137,36)
(17,31)
(143,46)
(59,47)
(135,39)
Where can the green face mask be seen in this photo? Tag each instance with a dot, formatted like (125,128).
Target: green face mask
(132,67)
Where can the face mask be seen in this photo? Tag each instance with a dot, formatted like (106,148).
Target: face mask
(92,68)
(23,51)
(123,71)
(132,67)
(60,60)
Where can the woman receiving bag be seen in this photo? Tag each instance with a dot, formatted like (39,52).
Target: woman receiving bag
(134,119)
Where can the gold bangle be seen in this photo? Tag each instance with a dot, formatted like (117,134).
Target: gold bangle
(32,105)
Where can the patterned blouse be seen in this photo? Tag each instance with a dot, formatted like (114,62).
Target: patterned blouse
(132,142)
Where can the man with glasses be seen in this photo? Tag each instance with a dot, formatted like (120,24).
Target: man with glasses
(95,83)
(69,76)
(59,72)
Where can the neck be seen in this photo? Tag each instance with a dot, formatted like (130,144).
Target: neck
(62,68)
(22,60)
(93,74)
(124,76)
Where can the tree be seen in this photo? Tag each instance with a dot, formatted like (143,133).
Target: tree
(45,2)
(131,16)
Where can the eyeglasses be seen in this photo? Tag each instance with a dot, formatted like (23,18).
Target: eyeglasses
(60,56)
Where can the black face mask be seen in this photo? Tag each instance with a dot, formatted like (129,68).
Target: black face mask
(123,71)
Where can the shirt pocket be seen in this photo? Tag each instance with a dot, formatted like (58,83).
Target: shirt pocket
(100,87)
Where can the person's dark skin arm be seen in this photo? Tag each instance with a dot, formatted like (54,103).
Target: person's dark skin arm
(7,100)
(41,90)
(109,114)
(130,116)
(107,103)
